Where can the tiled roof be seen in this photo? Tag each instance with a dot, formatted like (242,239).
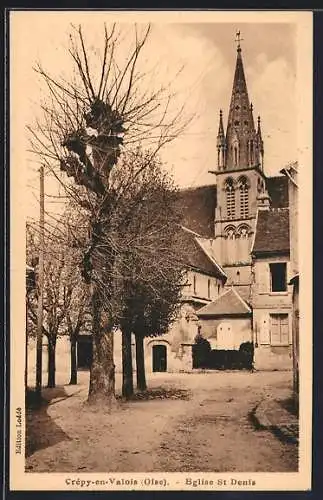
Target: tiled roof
(272,232)
(208,248)
(229,303)
(195,257)
(278,191)
(198,206)
(244,291)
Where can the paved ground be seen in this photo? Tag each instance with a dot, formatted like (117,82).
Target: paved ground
(206,425)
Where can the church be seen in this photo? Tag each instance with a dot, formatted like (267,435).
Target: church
(238,273)
(236,306)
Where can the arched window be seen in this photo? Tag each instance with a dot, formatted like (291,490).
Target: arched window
(244,231)
(251,153)
(244,197)
(235,147)
(230,233)
(230,246)
(244,241)
(230,198)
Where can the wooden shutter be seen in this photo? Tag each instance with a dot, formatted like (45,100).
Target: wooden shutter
(279,333)
(262,277)
(284,332)
(274,329)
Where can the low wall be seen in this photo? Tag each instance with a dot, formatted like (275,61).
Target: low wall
(268,357)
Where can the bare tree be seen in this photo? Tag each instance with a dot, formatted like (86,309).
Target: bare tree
(75,306)
(76,296)
(150,267)
(53,301)
(88,121)
(65,296)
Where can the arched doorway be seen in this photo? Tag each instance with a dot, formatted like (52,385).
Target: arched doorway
(159,358)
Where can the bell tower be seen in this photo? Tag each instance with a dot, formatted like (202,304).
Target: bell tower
(240,179)
(242,143)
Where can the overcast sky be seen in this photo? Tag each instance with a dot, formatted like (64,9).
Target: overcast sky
(208,52)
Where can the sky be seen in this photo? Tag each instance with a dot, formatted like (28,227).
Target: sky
(205,48)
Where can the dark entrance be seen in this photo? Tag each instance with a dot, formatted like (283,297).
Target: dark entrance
(214,359)
(159,358)
(84,352)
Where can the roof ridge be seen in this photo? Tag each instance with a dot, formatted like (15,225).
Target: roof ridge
(223,305)
(275,177)
(241,299)
(190,231)
(214,262)
(191,188)
(218,297)
(222,295)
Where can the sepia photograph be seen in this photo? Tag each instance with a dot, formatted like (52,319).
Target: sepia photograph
(160,172)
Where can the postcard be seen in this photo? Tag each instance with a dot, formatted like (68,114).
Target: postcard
(161,275)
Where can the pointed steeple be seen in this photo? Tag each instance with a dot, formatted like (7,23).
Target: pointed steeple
(221,143)
(221,129)
(241,133)
(259,129)
(260,145)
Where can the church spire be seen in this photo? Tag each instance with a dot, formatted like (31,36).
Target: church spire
(241,133)
(221,143)
(221,128)
(259,136)
(260,145)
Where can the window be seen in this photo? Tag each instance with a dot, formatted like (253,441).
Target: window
(230,247)
(279,333)
(194,284)
(244,197)
(230,198)
(235,155)
(251,153)
(209,288)
(278,277)
(243,243)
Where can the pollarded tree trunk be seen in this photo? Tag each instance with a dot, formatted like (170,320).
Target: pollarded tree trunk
(51,362)
(127,373)
(73,379)
(102,373)
(140,363)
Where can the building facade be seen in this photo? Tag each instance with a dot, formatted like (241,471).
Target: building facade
(291,172)
(243,222)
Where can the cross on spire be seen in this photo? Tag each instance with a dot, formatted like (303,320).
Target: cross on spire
(238,40)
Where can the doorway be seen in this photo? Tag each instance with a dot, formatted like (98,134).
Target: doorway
(159,358)
(84,352)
